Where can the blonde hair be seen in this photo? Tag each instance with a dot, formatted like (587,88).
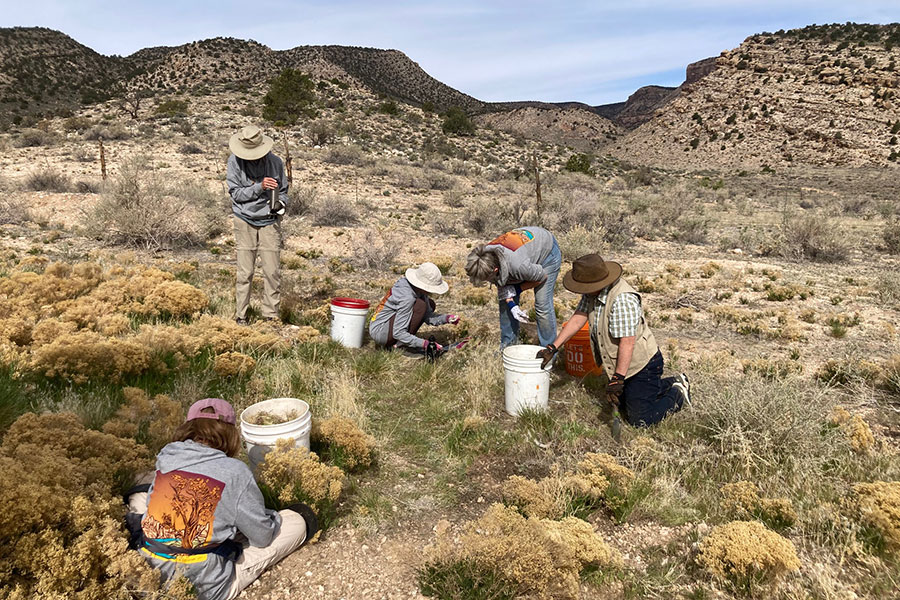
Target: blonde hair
(216,434)
(481,265)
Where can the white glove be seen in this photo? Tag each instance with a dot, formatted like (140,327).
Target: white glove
(519,314)
(506,292)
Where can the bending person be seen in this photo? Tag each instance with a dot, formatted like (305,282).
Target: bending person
(204,516)
(621,342)
(406,307)
(519,260)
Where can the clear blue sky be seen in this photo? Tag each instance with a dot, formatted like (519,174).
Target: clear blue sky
(594,52)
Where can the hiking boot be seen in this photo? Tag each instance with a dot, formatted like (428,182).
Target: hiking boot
(242,321)
(684,386)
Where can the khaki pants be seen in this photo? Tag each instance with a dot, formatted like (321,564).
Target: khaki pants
(265,242)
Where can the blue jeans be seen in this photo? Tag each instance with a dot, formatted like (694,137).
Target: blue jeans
(543,306)
(648,398)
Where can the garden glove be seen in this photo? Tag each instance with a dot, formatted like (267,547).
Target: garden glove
(453,319)
(547,354)
(615,388)
(518,314)
(309,515)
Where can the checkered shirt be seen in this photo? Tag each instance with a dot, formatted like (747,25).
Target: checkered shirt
(624,316)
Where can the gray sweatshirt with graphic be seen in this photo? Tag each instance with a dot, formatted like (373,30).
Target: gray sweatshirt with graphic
(199,497)
(400,302)
(521,255)
(249,201)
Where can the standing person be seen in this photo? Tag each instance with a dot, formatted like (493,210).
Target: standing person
(258,189)
(518,260)
(203,516)
(406,307)
(621,341)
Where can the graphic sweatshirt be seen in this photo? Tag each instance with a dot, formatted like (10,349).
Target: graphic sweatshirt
(199,497)
(521,252)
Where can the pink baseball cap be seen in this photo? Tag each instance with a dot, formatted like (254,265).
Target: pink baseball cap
(222,410)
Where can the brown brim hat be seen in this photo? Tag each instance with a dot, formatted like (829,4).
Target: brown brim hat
(590,274)
(250,144)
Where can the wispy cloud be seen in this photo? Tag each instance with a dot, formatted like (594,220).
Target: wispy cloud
(499,50)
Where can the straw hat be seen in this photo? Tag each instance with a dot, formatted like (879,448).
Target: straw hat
(590,274)
(250,144)
(427,277)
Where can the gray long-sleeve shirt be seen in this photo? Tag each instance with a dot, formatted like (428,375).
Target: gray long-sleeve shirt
(521,252)
(199,497)
(399,304)
(249,201)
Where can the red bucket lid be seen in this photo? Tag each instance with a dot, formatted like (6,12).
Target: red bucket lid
(350,302)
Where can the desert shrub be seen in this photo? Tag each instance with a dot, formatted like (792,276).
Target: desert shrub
(151,421)
(457,122)
(389,107)
(107,133)
(891,236)
(87,187)
(813,238)
(531,557)
(190,148)
(174,299)
(32,138)
(301,198)
(876,507)
(741,500)
(377,249)
(477,296)
(580,240)
(291,95)
(579,163)
(320,132)
(172,108)
(332,211)
(340,441)
(13,209)
(485,216)
(144,209)
(231,364)
(48,180)
(858,432)
(746,553)
(289,475)
(61,533)
(84,355)
(346,154)
(772,368)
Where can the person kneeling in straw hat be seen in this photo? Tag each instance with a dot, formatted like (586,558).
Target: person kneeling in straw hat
(406,307)
(258,189)
(621,341)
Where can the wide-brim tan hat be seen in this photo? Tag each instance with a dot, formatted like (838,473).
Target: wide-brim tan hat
(427,277)
(590,274)
(250,143)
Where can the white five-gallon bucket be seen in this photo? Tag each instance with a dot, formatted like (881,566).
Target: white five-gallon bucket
(259,439)
(527,384)
(348,321)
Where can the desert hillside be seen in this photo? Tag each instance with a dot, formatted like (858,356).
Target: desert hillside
(820,95)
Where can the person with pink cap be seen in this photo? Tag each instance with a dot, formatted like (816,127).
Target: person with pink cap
(203,516)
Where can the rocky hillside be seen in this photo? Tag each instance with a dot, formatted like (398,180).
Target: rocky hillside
(576,127)
(822,95)
(44,71)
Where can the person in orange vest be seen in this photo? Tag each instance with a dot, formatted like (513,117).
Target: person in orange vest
(521,259)
(621,342)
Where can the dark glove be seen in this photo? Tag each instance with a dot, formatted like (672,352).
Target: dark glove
(309,515)
(615,387)
(547,354)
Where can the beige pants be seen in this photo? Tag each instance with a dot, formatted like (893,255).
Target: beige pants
(265,242)
(253,561)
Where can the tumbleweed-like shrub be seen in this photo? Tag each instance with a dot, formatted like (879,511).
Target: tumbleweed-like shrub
(83,355)
(61,527)
(343,443)
(858,432)
(746,552)
(230,364)
(521,556)
(876,506)
(742,500)
(176,299)
(149,420)
(290,475)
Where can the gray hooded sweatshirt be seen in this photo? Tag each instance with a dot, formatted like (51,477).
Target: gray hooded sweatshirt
(199,497)
(399,302)
(521,252)
(249,201)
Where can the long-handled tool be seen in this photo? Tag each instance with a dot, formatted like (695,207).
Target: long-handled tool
(432,352)
(616,424)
